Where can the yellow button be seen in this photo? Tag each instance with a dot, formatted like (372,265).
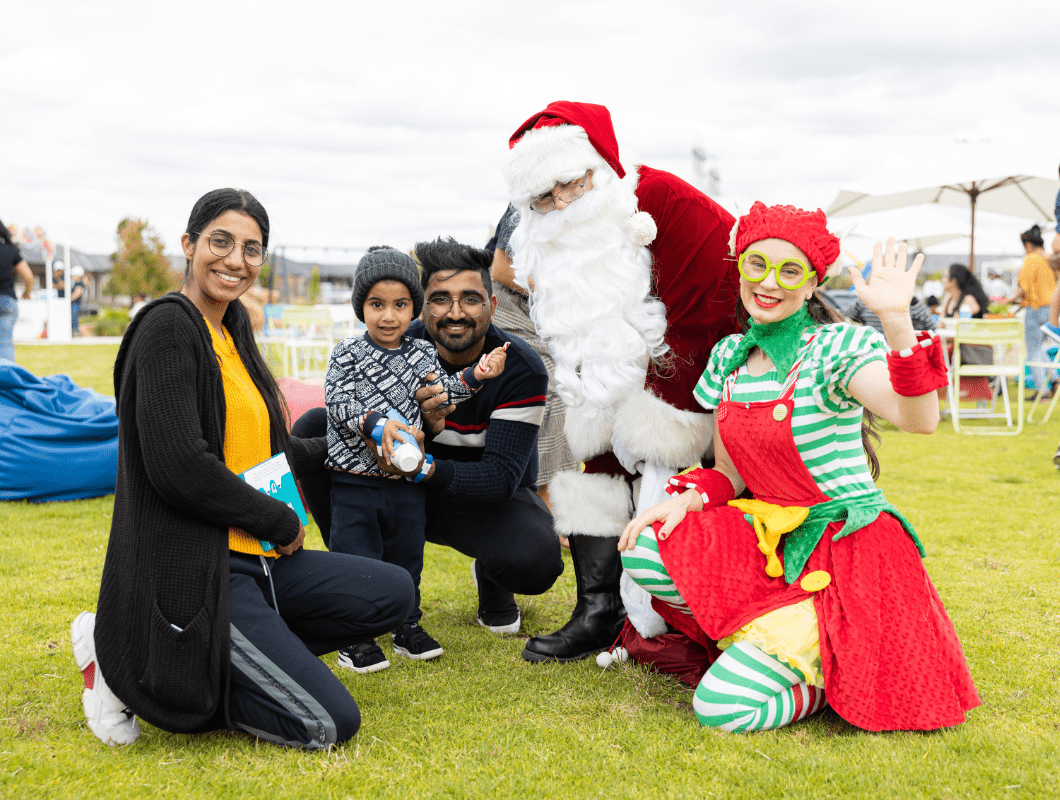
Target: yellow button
(815,581)
(779,412)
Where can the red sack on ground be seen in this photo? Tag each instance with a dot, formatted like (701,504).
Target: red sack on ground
(673,653)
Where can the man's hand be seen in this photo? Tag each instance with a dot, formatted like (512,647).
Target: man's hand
(289,549)
(434,404)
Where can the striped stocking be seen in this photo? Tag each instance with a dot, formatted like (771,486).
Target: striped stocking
(644,566)
(749,690)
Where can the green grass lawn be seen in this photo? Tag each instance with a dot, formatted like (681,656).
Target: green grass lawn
(480,722)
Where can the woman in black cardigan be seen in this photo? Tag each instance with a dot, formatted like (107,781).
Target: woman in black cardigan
(211,615)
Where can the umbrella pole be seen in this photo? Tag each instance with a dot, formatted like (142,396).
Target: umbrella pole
(974,194)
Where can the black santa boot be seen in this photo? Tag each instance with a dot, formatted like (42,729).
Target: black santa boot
(599,614)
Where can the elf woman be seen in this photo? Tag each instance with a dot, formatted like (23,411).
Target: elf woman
(814,589)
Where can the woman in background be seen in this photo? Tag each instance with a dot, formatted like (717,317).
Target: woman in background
(1036,285)
(11,264)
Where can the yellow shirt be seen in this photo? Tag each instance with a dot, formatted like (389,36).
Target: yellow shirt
(246,428)
(1037,281)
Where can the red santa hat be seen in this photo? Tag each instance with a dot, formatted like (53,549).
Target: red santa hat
(558,144)
(807,230)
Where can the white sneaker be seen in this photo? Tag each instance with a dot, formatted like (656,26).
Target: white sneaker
(504,617)
(108,717)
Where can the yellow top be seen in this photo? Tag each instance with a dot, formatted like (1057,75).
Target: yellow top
(246,428)
(1037,281)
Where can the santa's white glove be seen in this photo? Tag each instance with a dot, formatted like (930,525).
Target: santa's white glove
(629,461)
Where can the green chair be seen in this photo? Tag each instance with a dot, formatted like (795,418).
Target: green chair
(1005,336)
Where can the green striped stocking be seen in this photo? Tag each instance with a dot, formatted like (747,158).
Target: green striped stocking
(749,690)
(644,566)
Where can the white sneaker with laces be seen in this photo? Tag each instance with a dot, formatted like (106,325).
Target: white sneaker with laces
(108,717)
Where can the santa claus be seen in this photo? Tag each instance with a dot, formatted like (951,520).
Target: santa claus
(631,287)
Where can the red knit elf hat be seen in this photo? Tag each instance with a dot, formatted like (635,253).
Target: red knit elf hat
(807,230)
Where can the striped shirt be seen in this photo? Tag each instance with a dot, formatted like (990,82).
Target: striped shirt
(826,422)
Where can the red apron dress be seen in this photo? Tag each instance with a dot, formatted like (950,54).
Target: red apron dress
(890,656)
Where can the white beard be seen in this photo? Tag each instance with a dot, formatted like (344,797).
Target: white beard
(591,299)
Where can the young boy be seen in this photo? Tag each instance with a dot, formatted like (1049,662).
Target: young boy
(375,513)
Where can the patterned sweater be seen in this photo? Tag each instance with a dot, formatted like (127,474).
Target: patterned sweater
(364,381)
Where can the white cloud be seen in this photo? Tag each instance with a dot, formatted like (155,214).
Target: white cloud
(363,123)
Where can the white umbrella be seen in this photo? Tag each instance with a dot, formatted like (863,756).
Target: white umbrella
(1015,195)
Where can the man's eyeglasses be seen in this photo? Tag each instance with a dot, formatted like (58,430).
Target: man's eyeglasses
(470,304)
(568,193)
(222,244)
(791,273)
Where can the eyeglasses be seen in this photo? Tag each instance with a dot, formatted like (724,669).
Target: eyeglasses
(568,193)
(470,304)
(221,244)
(791,273)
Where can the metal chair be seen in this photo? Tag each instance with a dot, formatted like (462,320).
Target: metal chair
(1005,336)
(1052,339)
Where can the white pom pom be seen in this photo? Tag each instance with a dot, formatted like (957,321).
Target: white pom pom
(641,228)
(607,658)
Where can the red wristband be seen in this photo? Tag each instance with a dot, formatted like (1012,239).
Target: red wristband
(713,486)
(919,370)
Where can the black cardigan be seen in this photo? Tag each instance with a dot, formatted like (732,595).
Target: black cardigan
(167,560)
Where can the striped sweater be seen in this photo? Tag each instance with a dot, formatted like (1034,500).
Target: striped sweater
(489,446)
(826,422)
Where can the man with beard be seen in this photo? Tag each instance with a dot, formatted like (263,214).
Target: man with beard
(481,496)
(630,303)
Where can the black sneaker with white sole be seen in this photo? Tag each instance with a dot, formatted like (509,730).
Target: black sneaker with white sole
(497,610)
(414,642)
(363,658)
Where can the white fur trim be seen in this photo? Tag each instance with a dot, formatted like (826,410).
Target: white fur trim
(547,156)
(590,505)
(641,229)
(652,430)
(588,436)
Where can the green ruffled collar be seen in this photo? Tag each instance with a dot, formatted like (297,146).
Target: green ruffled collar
(780,340)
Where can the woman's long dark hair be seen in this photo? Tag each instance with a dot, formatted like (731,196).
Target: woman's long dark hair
(5,234)
(824,314)
(969,284)
(236,319)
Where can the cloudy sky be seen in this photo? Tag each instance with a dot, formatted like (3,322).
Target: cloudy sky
(367,123)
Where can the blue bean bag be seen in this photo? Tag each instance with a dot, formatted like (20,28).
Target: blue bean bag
(58,441)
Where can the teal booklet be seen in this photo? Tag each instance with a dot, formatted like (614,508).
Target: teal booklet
(274,478)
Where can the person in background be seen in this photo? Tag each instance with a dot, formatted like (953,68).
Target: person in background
(1037,283)
(1056,216)
(139,301)
(77,297)
(923,318)
(963,292)
(211,614)
(11,265)
(997,287)
(58,284)
(513,315)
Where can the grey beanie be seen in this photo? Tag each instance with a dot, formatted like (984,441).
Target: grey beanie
(384,263)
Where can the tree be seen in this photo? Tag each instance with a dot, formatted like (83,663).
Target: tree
(314,286)
(140,265)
